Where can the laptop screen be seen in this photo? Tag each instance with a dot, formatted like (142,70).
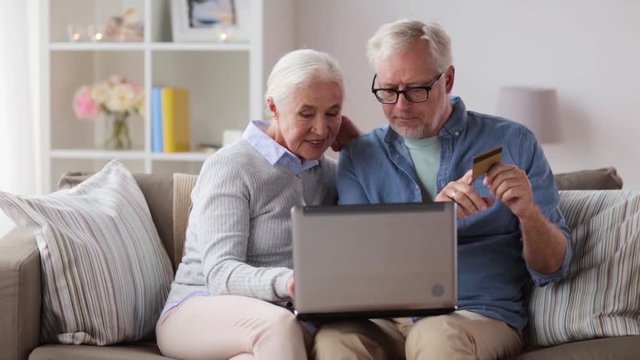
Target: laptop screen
(374,259)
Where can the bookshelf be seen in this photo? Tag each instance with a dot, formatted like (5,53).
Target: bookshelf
(226,80)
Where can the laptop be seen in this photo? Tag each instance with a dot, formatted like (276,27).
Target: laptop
(371,261)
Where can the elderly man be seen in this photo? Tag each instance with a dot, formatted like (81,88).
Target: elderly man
(510,229)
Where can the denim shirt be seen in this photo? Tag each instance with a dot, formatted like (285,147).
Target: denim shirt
(492,274)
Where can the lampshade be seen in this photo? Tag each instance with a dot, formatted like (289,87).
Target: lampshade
(535,108)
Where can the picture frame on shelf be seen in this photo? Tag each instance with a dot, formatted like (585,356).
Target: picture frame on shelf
(215,21)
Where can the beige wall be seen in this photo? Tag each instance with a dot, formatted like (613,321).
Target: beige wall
(588,51)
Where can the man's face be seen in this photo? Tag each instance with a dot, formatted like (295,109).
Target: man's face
(415,66)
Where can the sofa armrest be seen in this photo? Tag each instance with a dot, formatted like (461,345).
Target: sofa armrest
(20,294)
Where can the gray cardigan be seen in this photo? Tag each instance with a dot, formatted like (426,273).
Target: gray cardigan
(238,238)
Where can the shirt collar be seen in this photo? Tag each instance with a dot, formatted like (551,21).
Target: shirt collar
(457,122)
(274,153)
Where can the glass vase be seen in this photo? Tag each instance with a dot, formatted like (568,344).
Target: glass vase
(118,137)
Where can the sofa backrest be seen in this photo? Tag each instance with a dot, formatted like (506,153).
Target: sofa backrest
(593,179)
(169,198)
(158,192)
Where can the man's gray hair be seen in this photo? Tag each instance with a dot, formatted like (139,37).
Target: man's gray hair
(297,68)
(398,35)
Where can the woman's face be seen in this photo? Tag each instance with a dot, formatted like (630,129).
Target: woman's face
(308,122)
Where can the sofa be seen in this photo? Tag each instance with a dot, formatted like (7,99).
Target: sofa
(168,200)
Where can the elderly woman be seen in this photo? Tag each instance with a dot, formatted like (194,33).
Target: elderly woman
(229,294)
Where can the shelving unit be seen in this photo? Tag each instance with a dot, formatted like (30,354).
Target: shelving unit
(226,81)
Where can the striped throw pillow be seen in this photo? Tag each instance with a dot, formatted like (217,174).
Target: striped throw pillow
(105,273)
(601,296)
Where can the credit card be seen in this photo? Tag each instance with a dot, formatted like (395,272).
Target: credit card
(483,162)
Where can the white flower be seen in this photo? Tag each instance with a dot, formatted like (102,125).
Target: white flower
(100,92)
(121,98)
(139,103)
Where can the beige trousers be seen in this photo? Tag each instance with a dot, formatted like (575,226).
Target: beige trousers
(231,327)
(459,335)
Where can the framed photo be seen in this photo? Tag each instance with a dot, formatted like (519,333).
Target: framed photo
(210,20)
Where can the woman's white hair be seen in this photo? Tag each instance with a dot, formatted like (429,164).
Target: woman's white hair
(297,68)
(398,35)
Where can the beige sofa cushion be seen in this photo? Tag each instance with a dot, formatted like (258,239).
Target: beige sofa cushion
(600,296)
(182,186)
(596,179)
(105,274)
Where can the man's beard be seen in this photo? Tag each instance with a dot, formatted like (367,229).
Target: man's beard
(426,128)
(417,132)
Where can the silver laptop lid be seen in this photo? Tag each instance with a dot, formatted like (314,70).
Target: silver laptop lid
(374,260)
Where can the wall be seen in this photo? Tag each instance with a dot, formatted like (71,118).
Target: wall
(589,52)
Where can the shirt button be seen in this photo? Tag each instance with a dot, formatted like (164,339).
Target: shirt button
(457,133)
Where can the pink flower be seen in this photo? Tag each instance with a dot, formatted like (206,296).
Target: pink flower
(83,104)
(135,86)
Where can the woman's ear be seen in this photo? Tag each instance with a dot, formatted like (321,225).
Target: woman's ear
(273,109)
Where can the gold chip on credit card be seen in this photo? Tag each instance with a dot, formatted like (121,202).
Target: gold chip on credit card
(483,162)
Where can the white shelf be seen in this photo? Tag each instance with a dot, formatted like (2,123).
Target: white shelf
(226,81)
(200,46)
(97,154)
(186,156)
(158,46)
(130,155)
(102,46)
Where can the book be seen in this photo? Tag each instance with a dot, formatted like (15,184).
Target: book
(156,120)
(175,120)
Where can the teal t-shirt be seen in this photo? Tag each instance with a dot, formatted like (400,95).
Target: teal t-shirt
(425,154)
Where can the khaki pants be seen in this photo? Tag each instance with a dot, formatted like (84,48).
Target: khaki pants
(231,327)
(459,335)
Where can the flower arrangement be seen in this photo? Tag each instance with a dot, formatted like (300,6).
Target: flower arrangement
(116,94)
(116,98)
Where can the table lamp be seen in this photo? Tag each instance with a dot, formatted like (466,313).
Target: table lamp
(534,107)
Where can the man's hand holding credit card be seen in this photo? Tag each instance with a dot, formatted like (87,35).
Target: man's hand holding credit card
(483,162)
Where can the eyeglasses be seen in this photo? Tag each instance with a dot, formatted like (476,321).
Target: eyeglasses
(414,94)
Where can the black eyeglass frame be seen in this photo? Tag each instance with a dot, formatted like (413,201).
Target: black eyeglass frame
(404,92)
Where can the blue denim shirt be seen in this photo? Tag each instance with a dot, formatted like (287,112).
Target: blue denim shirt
(492,274)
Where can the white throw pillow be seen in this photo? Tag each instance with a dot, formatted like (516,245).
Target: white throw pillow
(600,298)
(105,273)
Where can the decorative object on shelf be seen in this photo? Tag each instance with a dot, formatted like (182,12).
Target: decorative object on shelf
(78,33)
(209,20)
(114,100)
(118,130)
(126,27)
